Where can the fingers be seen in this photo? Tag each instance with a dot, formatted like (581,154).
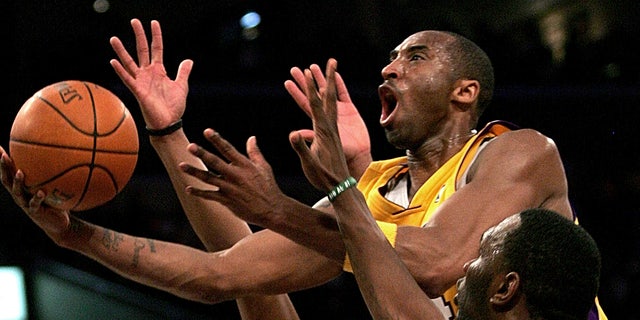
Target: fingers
(295,91)
(318,77)
(12,179)
(343,93)
(330,98)
(125,58)
(184,70)
(322,104)
(141,43)
(217,166)
(126,67)
(206,194)
(6,174)
(299,144)
(313,96)
(123,74)
(156,42)
(256,156)
(297,87)
(202,175)
(211,161)
(36,202)
(307,134)
(225,148)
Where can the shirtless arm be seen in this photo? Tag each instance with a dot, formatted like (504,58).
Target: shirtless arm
(262,263)
(162,101)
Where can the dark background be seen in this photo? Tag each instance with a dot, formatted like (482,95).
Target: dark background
(566,68)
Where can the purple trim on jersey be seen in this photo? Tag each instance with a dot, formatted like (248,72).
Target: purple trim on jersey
(593,313)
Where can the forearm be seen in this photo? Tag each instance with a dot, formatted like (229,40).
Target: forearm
(174,268)
(383,278)
(217,227)
(315,228)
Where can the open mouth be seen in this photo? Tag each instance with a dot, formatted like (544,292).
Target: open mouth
(389,102)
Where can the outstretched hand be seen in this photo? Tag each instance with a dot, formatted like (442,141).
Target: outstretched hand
(353,131)
(55,223)
(161,99)
(323,162)
(245,185)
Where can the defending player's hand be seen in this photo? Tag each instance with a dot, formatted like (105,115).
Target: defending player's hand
(54,222)
(323,162)
(161,99)
(353,131)
(245,185)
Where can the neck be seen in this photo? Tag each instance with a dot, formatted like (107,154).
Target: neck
(430,157)
(459,138)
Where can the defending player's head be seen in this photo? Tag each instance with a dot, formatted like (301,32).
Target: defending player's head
(535,260)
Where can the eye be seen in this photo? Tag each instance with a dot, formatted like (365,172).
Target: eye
(415,57)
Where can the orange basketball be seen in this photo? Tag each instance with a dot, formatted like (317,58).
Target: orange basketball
(77,141)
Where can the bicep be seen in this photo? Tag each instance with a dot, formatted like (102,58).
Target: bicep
(513,174)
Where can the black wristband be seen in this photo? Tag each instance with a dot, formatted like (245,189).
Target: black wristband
(168,130)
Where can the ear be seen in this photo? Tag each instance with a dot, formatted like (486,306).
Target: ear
(508,291)
(466,92)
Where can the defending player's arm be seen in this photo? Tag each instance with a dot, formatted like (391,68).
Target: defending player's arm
(383,278)
(163,101)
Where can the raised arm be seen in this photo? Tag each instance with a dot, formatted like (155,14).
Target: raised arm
(383,279)
(353,131)
(163,102)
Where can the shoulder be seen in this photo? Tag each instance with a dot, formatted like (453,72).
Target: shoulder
(525,164)
(526,141)
(518,151)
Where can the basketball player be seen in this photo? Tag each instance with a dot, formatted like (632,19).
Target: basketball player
(532,265)
(432,205)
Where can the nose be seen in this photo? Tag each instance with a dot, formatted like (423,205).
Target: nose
(391,71)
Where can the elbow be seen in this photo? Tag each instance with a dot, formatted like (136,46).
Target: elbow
(213,291)
(207,289)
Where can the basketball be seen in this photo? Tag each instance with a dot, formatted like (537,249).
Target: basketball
(76,141)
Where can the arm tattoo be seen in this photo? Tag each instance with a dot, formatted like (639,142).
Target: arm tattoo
(79,228)
(76,226)
(138,245)
(111,239)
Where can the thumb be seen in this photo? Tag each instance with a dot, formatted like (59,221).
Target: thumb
(299,144)
(184,69)
(307,134)
(255,155)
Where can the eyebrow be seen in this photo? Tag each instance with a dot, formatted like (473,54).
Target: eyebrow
(414,48)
